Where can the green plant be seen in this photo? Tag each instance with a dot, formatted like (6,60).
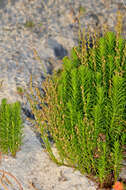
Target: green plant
(82,10)
(29,24)
(19,90)
(10,127)
(84,108)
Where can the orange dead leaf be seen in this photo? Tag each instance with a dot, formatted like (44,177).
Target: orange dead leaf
(118,186)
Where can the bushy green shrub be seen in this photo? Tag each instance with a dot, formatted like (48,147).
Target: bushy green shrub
(10,127)
(84,108)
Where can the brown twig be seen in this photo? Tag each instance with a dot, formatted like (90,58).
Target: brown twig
(3,184)
(7,173)
(32,185)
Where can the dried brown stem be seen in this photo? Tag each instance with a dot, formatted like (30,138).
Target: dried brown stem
(7,173)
